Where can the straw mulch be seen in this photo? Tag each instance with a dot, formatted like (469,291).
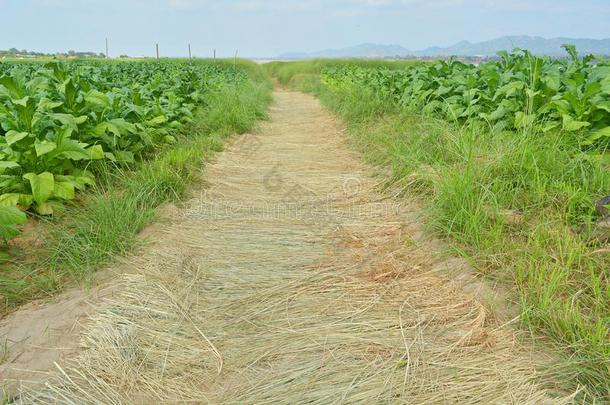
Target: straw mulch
(291,279)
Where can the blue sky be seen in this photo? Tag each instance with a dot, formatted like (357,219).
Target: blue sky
(270,27)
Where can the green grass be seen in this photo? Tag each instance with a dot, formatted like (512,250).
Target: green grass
(512,203)
(105,221)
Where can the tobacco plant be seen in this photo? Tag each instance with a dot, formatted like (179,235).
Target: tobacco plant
(56,118)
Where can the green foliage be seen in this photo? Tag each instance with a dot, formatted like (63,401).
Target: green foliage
(58,118)
(9,217)
(81,238)
(286,71)
(520,91)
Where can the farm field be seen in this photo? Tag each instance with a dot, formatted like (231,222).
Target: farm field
(407,232)
(90,148)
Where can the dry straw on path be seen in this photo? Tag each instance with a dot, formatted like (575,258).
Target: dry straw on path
(292,280)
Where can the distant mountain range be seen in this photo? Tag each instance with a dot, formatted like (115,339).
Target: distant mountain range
(537,45)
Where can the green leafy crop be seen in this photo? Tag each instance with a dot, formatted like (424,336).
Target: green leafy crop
(519,91)
(56,118)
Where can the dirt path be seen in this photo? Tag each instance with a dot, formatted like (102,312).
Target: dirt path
(291,280)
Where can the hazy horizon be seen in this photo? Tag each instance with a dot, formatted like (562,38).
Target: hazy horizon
(267,28)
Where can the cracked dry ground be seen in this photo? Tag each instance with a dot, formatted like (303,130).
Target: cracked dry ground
(290,278)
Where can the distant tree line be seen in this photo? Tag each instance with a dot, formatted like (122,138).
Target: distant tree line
(16,53)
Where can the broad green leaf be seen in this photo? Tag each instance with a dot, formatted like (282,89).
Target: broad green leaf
(9,217)
(11,87)
(64,190)
(123,156)
(599,134)
(523,120)
(118,127)
(563,106)
(44,209)
(42,186)
(70,120)
(98,98)
(591,90)
(102,128)
(169,139)
(161,119)
(86,179)
(603,105)
(79,182)
(46,104)
(599,73)
(69,91)
(37,85)
(5,164)
(125,126)
(44,147)
(550,125)
(23,102)
(498,114)
(510,89)
(70,149)
(13,136)
(13,199)
(8,232)
(96,152)
(76,154)
(9,200)
(569,124)
(552,80)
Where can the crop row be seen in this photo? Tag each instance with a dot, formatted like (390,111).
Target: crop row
(56,118)
(519,91)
